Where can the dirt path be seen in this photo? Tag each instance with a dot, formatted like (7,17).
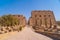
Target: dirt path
(28,34)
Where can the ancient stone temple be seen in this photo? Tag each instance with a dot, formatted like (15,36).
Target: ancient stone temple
(22,19)
(22,24)
(42,20)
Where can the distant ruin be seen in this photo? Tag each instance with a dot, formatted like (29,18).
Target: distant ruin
(22,23)
(42,20)
(39,20)
(22,19)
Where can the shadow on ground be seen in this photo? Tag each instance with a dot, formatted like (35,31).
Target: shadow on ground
(53,36)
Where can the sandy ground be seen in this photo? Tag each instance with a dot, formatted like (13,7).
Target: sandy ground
(27,34)
(6,35)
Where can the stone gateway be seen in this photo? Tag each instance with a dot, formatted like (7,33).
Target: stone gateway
(42,20)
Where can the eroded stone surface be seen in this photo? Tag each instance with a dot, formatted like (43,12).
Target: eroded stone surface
(43,20)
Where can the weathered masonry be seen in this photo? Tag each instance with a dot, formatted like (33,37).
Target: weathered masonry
(22,24)
(42,20)
(22,20)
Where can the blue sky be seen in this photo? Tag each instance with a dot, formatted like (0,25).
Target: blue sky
(26,6)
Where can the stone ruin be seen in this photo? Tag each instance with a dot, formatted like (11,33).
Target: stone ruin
(22,23)
(42,21)
(22,19)
(5,29)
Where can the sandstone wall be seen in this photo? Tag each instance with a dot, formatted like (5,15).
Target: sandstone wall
(22,23)
(42,20)
(22,19)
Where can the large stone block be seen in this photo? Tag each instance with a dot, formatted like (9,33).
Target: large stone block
(44,19)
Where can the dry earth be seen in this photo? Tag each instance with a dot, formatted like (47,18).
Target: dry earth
(25,34)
